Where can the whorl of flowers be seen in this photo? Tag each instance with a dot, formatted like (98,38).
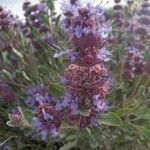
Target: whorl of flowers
(86,79)
(37,94)
(4,19)
(140,26)
(7,94)
(34,15)
(47,117)
(134,64)
(118,14)
(7,20)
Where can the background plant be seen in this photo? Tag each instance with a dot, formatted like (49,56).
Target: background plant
(29,60)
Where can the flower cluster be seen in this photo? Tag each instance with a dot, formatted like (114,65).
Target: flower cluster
(86,79)
(34,17)
(134,64)
(140,26)
(34,14)
(37,94)
(47,117)
(47,120)
(15,118)
(4,19)
(7,20)
(134,61)
(4,147)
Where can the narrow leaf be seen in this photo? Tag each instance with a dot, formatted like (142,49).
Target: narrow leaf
(68,146)
(50,4)
(56,89)
(144,131)
(17,53)
(141,92)
(110,119)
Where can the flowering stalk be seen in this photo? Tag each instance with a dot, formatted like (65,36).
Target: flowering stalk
(139,28)
(134,61)
(86,79)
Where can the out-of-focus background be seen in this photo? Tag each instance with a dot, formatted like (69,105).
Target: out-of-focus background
(15,6)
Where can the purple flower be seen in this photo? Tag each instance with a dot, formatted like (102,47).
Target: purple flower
(71,102)
(78,31)
(104,32)
(58,106)
(95,11)
(37,94)
(100,106)
(74,106)
(64,80)
(104,55)
(72,56)
(43,131)
(68,8)
(4,147)
(48,116)
(93,122)
(47,120)
(66,100)
(53,131)
(41,8)
(66,25)
(44,134)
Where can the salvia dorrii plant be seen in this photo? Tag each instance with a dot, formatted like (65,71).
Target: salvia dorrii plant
(86,79)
